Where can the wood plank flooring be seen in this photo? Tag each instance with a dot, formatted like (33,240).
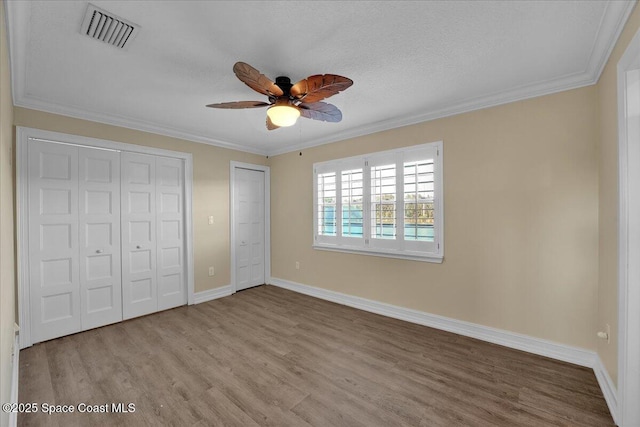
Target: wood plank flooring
(270,357)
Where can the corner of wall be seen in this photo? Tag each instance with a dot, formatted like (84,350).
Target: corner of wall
(8,350)
(608,199)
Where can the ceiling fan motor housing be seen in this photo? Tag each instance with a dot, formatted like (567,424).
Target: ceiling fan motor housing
(284,83)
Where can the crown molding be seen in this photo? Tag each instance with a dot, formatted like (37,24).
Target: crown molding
(611,26)
(613,21)
(40,105)
(492,100)
(18,23)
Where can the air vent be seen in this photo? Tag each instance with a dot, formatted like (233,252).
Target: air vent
(108,28)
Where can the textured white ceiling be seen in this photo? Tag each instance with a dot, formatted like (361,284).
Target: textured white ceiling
(410,61)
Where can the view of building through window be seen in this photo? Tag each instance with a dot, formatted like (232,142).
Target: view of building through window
(418,200)
(385,202)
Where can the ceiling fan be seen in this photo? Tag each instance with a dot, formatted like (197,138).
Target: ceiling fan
(287,102)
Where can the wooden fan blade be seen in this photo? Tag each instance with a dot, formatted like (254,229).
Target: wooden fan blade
(270,124)
(240,104)
(320,111)
(256,81)
(318,87)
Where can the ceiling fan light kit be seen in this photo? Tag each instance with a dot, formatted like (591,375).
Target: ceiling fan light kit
(282,114)
(287,102)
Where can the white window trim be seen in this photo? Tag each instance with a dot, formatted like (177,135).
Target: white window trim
(341,244)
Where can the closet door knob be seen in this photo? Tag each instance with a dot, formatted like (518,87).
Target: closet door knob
(99,251)
(138,247)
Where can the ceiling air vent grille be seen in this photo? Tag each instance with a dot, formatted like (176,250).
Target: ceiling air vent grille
(108,28)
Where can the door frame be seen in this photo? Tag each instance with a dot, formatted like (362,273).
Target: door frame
(23,134)
(267,217)
(628,387)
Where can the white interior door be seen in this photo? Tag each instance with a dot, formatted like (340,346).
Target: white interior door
(104,233)
(170,232)
(249,226)
(99,237)
(54,283)
(138,205)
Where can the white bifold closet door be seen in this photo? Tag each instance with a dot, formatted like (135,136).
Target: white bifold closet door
(170,235)
(139,283)
(99,237)
(152,234)
(74,247)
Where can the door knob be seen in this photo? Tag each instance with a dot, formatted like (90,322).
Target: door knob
(138,247)
(99,251)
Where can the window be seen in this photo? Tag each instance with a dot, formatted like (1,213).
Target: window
(327,203)
(418,200)
(383,202)
(352,198)
(387,204)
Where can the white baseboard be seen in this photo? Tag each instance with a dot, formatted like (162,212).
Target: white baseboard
(553,350)
(212,294)
(608,388)
(565,353)
(13,416)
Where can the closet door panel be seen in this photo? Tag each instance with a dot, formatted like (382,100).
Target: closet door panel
(54,283)
(170,226)
(99,237)
(138,223)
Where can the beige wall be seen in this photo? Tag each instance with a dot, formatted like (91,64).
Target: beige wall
(7,265)
(521,220)
(608,198)
(210,185)
(530,214)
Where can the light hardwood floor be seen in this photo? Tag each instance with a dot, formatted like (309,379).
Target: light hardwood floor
(268,356)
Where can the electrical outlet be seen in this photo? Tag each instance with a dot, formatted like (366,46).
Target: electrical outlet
(210,219)
(297,265)
(211,271)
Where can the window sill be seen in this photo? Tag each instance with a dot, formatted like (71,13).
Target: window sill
(413,256)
